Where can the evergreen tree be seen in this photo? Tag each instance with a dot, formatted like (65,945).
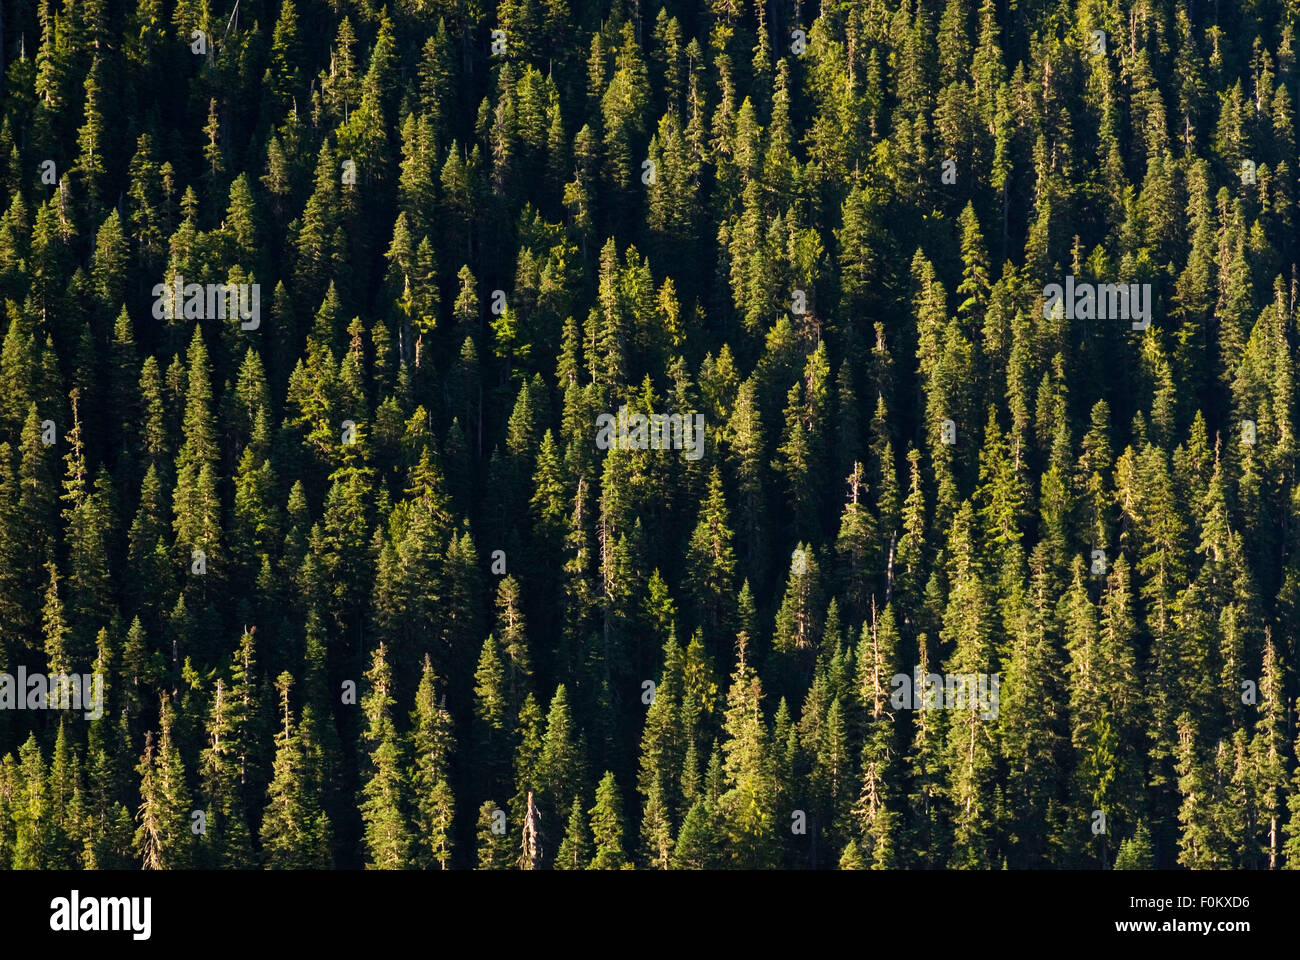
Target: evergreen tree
(432,743)
(296,832)
(383,811)
(607,827)
(746,804)
(574,852)
(163,839)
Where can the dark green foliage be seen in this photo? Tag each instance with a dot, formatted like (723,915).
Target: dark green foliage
(363,589)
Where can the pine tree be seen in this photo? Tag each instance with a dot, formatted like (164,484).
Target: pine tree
(969,748)
(574,852)
(296,833)
(226,841)
(163,839)
(746,805)
(432,744)
(1268,753)
(383,811)
(877,663)
(607,827)
(495,849)
(513,630)
(490,715)
(560,766)
(1135,851)
(1030,722)
(712,559)
(29,808)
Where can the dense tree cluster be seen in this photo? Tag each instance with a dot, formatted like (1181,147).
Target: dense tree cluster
(362,587)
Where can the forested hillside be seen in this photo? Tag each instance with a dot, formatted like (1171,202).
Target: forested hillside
(365,584)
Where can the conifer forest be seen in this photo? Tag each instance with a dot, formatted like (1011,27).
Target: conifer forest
(655,434)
